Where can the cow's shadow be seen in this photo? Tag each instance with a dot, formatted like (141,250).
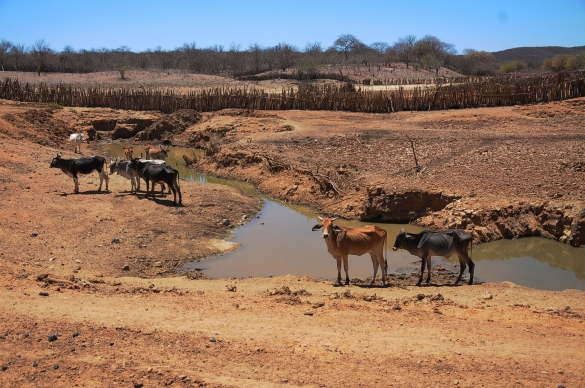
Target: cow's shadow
(161,201)
(387,285)
(92,192)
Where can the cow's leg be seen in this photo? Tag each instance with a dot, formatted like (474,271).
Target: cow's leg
(178,188)
(383,267)
(133,183)
(375,265)
(147,187)
(137,183)
(462,267)
(103,176)
(76,184)
(428,268)
(345,267)
(422,269)
(174,194)
(338,258)
(465,259)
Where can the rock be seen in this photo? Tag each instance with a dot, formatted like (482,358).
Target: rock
(158,264)
(56,366)
(309,313)
(43,293)
(51,258)
(226,222)
(455,382)
(53,337)
(487,295)
(35,364)
(116,241)
(137,384)
(75,334)
(212,339)
(458,352)
(231,287)
(126,268)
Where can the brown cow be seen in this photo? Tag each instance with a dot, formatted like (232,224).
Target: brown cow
(153,152)
(128,151)
(342,241)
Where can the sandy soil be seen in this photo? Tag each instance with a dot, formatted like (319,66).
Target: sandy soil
(70,315)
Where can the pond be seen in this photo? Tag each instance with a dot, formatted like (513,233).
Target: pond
(280,242)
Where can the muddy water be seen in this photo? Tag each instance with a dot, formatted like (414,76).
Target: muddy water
(280,242)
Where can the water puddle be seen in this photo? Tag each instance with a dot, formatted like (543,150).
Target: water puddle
(280,242)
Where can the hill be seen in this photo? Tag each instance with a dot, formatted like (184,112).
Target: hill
(534,56)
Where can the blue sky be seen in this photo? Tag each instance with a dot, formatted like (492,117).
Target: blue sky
(489,25)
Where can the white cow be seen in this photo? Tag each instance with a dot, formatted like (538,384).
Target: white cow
(77,139)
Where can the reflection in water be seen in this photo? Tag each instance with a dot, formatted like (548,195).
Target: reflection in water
(281,242)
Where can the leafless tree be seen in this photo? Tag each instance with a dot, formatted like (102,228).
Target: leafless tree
(346,43)
(17,53)
(257,56)
(41,52)
(404,48)
(4,48)
(432,53)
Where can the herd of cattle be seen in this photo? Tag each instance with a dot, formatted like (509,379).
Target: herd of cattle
(341,241)
(153,170)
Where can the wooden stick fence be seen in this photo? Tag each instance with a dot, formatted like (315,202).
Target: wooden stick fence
(497,91)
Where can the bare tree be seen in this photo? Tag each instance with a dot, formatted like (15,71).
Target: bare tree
(40,52)
(432,52)
(346,43)
(284,55)
(4,48)
(17,52)
(256,52)
(404,48)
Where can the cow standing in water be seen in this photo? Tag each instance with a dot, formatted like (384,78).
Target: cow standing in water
(342,242)
(83,166)
(438,243)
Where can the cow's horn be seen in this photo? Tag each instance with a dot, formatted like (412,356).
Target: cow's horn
(333,219)
(320,218)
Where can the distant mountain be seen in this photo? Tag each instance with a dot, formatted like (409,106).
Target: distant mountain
(534,56)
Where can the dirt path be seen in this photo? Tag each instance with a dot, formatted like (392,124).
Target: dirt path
(63,256)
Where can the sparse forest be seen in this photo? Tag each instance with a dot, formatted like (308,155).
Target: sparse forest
(312,61)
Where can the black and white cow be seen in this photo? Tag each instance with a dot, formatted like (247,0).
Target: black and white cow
(158,174)
(83,166)
(438,243)
(124,169)
(142,165)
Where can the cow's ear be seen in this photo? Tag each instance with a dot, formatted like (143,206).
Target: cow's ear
(409,236)
(336,228)
(317,227)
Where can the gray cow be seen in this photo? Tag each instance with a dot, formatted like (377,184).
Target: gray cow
(437,243)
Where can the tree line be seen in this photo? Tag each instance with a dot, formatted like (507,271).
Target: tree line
(428,52)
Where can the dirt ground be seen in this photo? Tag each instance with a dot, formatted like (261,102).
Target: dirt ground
(90,296)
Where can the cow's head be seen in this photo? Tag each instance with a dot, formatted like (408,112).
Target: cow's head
(55,161)
(114,166)
(401,238)
(328,227)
